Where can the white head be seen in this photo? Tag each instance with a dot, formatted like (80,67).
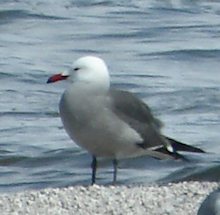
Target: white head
(87,70)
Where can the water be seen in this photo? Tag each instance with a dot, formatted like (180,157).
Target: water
(167,52)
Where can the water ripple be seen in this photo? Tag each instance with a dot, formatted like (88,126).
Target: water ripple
(7,16)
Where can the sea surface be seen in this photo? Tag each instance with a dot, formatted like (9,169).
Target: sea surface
(167,52)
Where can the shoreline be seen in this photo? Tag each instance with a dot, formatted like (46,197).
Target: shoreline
(182,198)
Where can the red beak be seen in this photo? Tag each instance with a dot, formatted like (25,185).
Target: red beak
(57,77)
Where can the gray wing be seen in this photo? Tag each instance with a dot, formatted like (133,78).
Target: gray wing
(130,105)
(138,115)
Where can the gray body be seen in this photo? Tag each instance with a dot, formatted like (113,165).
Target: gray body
(114,125)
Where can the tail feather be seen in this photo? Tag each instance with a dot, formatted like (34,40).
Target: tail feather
(178,146)
(175,155)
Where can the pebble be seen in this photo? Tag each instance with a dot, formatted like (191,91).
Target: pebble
(178,198)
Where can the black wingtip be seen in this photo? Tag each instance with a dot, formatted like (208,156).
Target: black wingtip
(179,146)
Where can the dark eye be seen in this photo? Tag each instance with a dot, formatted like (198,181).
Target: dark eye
(77,68)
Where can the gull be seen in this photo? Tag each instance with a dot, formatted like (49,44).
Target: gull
(211,205)
(110,123)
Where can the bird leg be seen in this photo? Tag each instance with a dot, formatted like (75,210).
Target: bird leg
(115,166)
(94,168)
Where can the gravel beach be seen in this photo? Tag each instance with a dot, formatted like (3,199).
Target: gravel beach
(180,198)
